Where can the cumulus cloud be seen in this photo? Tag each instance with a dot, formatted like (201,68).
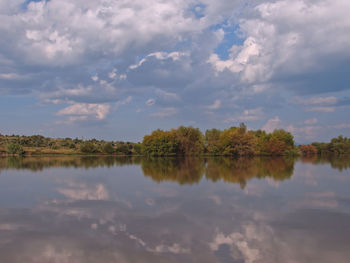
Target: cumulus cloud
(47,40)
(293,42)
(83,111)
(190,55)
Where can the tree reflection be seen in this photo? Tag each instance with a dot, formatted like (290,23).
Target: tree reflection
(40,163)
(181,170)
(339,162)
(238,171)
(186,170)
(242,170)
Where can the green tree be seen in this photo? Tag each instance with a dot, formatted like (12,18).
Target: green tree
(160,143)
(212,140)
(191,140)
(88,147)
(108,148)
(137,149)
(14,148)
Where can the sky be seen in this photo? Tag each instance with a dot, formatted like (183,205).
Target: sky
(118,69)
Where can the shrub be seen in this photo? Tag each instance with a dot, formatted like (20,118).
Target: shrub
(108,148)
(14,148)
(308,149)
(88,147)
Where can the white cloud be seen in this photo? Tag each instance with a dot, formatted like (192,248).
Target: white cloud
(82,191)
(215,105)
(124,102)
(175,249)
(247,115)
(304,132)
(82,53)
(167,96)
(112,74)
(85,110)
(272,124)
(175,56)
(242,241)
(150,102)
(62,32)
(289,38)
(9,76)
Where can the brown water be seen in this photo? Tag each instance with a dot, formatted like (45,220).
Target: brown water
(104,209)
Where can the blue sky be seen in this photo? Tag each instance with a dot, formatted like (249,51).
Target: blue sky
(118,69)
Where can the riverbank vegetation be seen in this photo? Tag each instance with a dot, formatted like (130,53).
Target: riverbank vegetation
(234,141)
(40,145)
(337,146)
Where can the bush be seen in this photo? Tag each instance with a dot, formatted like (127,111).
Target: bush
(160,143)
(108,148)
(14,148)
(88,147)
(308,150)
(237,142)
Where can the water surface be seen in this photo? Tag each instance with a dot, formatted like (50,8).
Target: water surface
(107,209)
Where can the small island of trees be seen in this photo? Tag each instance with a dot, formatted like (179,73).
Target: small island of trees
(234,141)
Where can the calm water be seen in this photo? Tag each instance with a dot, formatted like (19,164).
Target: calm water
(93,209)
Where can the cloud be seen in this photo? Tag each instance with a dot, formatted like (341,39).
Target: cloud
(215,105)
(82,191)
(82,111)
(246,116)
(304,132)
(150,102)
(293,43)
(167,96)
(272,124)
(311,121)
(174,56)
(165,112)
(46,36)
(9,76)
(175,249)
(190,55)
(123,102)
(241,241)
(340,126)
(321,109)
(331,100)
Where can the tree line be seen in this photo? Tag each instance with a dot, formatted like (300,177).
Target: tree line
(234,141)
(38,145)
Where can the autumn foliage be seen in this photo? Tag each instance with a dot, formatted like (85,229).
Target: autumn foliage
(307,150)
(235,141)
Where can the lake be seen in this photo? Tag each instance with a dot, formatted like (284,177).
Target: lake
(109,209)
